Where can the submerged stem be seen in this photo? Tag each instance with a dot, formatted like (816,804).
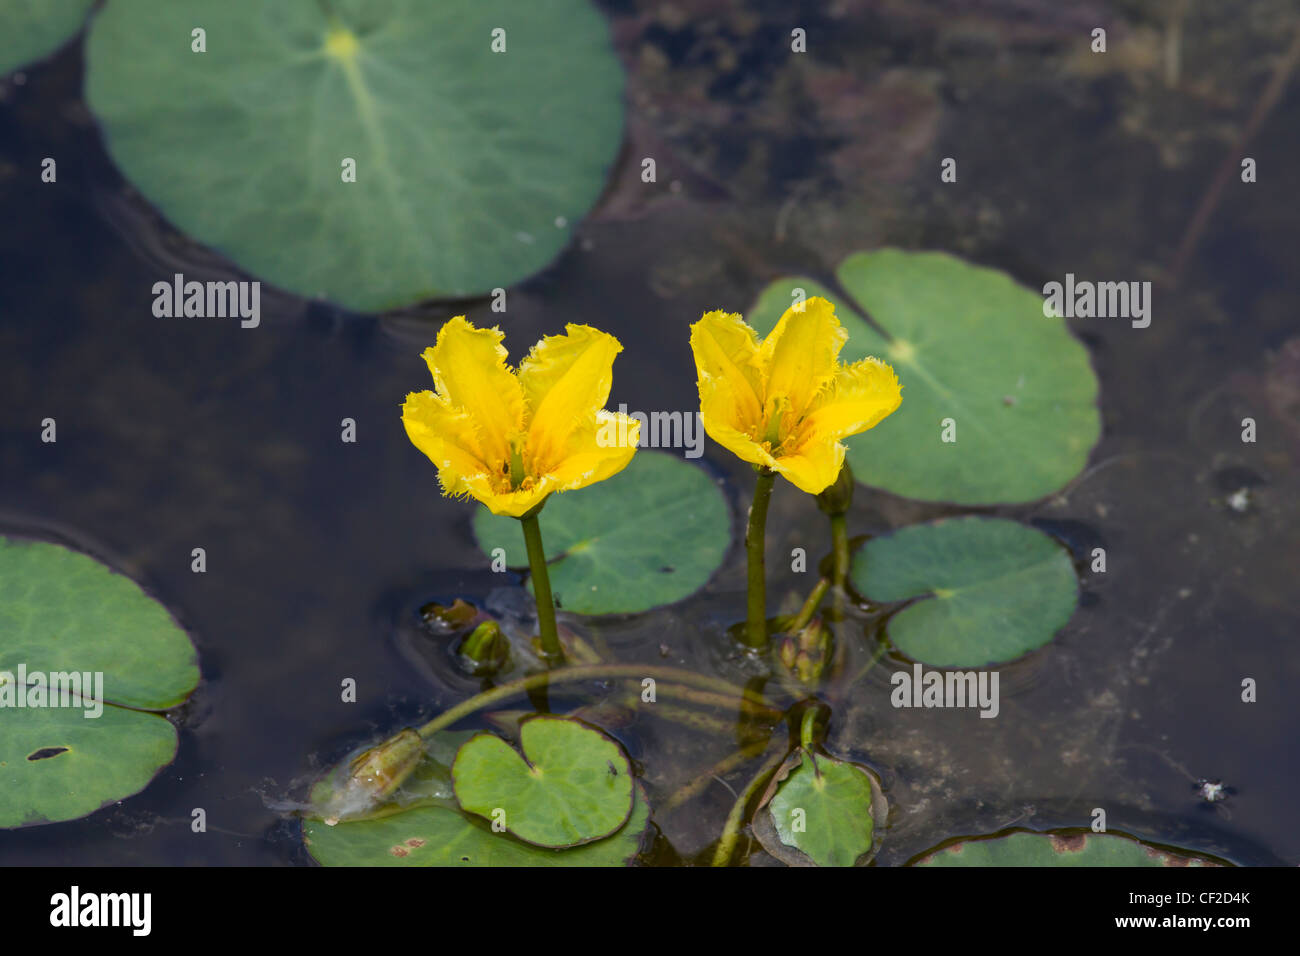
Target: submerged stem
(756,625)
(881,650)
(699,781)
(731,830)
(708,698)
(592,672)
(551,649)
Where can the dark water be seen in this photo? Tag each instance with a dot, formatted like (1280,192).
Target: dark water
(184,433)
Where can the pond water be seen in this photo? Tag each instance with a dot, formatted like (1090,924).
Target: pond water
(182,433)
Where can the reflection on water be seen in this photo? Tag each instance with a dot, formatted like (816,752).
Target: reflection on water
(184,433)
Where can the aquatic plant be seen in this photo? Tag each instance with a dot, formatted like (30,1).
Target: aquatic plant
(784,405)
(510,439)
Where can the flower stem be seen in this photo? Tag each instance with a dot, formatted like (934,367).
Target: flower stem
(839,561)
(806,727)
(840,545)
(756,628)
(809,607)
(551,648)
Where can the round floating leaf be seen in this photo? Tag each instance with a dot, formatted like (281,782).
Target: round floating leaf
(651,535)
(969,345)
(32,29)
(59,764)
(64,611)
(989,590)
(572,785)
(438,836)
(78,640)
(825,810)
(471,166)
(1065,848)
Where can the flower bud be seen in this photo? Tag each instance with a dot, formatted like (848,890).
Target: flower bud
(383,768)
(807,654)
(486,650)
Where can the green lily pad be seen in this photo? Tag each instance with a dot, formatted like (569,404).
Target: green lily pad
(471,166)
(989,589)
(33,29)
(651,535)
(70,622)
(1062,848)
(970,345)
(58,764)
(820,811)
(572,785)
(441,836)
(64,611)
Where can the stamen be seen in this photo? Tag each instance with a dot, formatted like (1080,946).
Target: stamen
(773,434)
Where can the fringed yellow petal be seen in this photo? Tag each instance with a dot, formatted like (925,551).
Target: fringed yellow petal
(800,355)
(814,468)
(470,372)
(726,350)
(861,395)
(737,442)
(564,378)
(718,399)
(514,504)
(599,450)
(448,437)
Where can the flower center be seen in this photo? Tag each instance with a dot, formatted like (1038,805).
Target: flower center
(517,474)
(772,435)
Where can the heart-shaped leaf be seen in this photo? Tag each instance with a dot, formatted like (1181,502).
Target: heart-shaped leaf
(571,785)
(989,589)
(1063,848)
(971,346)
(440,836)
(651,535)
(80,644)
(33,29)
(824,810)
(373,154)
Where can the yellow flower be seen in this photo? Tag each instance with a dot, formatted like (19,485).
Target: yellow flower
(785,403)
(510,439)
